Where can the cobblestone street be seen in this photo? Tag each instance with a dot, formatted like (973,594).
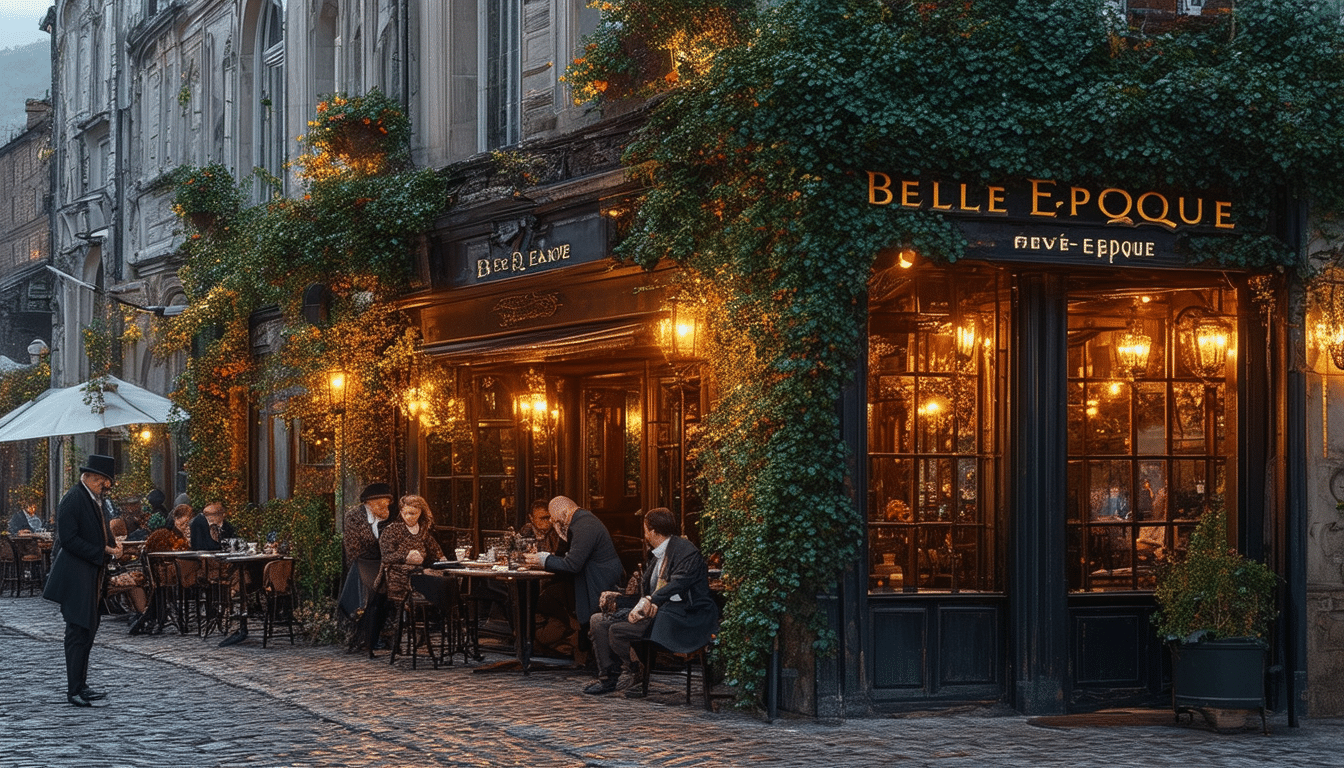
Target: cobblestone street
(181,701)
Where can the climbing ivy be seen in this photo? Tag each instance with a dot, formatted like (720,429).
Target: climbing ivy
(755,168)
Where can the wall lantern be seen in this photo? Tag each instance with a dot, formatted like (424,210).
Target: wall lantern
(1133,349)
(336,381)
(1204,338)
(681,333)
(530,405)
(1327,296)
(967,337)
(146,435)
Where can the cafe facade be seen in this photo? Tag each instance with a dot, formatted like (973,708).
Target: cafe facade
(1033,429)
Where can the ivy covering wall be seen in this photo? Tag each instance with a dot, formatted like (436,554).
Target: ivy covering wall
(755,170)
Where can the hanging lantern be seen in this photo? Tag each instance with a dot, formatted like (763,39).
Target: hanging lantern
(681,333)
(1204,339)
(1133,349)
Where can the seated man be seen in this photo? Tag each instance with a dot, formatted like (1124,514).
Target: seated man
(209,529)
(26,519)
(675,608)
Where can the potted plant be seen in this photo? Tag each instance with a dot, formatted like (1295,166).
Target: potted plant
(206,195)
(1214,609)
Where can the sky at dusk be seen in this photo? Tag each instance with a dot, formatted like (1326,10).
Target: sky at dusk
(18,21)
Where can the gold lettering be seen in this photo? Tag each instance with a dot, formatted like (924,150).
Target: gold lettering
(1037,194)
(482,268)
(1101,203)
(1160,218)
(1199,210)
(1222,210)
(518,261)
(965,205)
(910,194)
(1078,197)
(995,200)
(874,188)
(936,204)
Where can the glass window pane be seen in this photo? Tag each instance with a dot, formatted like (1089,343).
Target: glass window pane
(1150,417)
(1188,424)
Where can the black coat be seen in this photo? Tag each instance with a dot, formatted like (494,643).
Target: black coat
(202,541)
(592,559)
(685,624)
(79,549)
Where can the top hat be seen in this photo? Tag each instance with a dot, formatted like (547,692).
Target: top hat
(101,465)
(376,491)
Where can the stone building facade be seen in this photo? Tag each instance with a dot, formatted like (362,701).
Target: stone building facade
(145,86)
(25,236)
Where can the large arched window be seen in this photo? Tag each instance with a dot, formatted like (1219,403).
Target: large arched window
(269,93)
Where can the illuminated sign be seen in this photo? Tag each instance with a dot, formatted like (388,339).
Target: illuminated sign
(1048,221)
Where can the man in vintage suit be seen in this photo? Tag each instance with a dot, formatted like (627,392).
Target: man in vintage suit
(83,548)
(361,529)
(675,608)
(591,556)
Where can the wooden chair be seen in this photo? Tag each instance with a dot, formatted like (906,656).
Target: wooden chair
(279,597)
(161,583)
(28,559)
(190,595)
(9,567)
(433,603)
(648,652)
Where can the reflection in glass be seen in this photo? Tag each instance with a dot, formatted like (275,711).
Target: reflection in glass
(1147,455)
(932,431)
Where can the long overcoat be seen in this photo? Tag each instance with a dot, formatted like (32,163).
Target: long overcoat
(687,614)
(79,567)
(591,558)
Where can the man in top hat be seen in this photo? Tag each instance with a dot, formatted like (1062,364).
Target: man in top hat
(363,525)
(83,547)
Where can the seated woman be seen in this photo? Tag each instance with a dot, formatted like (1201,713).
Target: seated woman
(406,545)
(172,537)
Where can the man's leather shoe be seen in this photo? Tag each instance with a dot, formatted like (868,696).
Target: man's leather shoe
(603,685)
(234,639)
(141,624)
(79,701)
(92,695)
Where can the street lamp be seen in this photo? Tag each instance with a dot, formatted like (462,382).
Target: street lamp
(336,388)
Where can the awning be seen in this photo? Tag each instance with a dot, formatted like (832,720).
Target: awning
(71,411)
(544,345)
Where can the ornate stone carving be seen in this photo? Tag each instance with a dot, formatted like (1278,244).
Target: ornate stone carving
(513,310)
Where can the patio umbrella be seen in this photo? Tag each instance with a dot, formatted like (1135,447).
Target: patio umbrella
(59,412)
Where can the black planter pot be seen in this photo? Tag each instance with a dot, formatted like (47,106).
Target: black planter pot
(1218,674)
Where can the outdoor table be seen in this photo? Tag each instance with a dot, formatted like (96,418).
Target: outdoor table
(524,586)
(248,568)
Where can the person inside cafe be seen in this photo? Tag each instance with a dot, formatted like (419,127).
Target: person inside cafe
(210,529)
(540,529)
(363,525)
(406,545)
(590,558)
(25,518)
(675,608)
(82,549)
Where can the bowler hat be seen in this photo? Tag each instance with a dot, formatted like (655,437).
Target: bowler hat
(376,491)
(101,465)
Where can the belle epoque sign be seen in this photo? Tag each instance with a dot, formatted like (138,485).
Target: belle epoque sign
(1048,221)
(525,246)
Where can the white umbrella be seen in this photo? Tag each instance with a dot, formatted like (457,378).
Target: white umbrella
(59,412)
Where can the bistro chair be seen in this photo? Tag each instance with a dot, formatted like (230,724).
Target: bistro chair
(649,651)
(433,602)
(9,567)
(161,584)
(190,594)
(280,597)
(216,596)
(28,559)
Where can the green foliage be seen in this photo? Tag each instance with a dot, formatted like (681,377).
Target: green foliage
(754,175)
(209,190)
(353,229)
(642,47)
(305,527)
(1213,591)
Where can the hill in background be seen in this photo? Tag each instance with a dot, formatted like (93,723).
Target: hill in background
(25,73)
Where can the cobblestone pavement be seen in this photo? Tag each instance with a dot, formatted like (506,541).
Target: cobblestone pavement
(181,701)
